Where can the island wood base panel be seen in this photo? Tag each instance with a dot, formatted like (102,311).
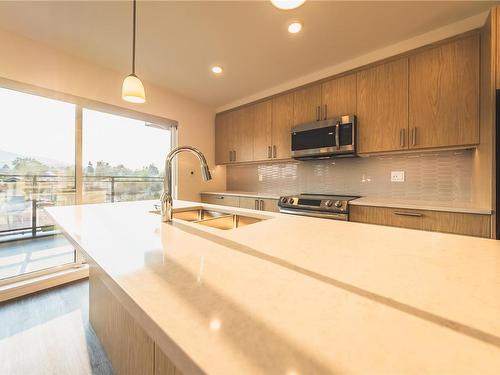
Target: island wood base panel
(129,349)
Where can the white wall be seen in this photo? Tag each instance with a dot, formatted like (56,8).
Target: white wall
(27,61)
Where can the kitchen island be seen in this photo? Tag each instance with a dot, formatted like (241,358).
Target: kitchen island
(285,295)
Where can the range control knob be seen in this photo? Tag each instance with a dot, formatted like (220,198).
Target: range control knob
(291,201)
(329,203)
(284,200)
(338,204)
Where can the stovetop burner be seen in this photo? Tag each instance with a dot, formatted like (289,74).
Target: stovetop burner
(317,205)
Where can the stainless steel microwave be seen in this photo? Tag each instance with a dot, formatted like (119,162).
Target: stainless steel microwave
(325,139)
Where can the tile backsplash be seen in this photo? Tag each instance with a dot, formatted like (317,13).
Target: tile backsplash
(434,176)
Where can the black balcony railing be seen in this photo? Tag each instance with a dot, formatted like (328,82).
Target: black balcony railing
(22,197)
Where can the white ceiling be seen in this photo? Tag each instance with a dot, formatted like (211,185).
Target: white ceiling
(178,42)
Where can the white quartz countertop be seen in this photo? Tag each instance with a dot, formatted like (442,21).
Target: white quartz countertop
(298,295)
(464,207)
(251,194)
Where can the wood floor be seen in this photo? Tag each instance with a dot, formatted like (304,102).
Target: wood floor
(50,333)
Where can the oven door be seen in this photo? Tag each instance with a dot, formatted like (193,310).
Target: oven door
(324,138)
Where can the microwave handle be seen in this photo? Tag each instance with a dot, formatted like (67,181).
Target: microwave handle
(337,135)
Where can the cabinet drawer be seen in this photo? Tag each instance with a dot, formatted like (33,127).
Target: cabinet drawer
(222,200)
(435,221)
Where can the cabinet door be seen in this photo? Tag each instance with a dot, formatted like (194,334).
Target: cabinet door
(262,139)
(282,125)
(339,97)
(307,104)
(243,122)
(444,95)
(270,205)
(382,101)
(223,138)
(249,202)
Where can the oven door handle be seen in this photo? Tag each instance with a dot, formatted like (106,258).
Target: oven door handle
(322,215)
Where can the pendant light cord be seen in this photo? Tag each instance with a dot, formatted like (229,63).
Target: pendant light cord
(133,39)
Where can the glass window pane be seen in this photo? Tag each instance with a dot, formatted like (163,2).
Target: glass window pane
(37,169)
(122,158)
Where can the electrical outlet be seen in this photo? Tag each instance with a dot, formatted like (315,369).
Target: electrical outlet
(397,176)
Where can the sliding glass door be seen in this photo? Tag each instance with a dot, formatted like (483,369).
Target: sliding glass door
(56,152)
(37,169)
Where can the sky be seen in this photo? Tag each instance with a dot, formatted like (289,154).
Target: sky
(45,128)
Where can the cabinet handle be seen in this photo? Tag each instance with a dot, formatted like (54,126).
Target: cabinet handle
(324,117)
(405,213)
(269,152)
(274,151)
(413,136)
(230,156)
(219,197)
(261,205)
(318,109)
(402,134)
(256,204)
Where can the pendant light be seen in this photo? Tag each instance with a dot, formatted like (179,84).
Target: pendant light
(132,88)
(287,4)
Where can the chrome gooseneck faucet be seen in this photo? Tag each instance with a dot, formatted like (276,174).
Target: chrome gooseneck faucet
(166,195)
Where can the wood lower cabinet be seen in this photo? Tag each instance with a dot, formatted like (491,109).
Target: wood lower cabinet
(382,102)
(128,347)
(444,95)
(434,221)
(339,97)
(221,200)
(253,203)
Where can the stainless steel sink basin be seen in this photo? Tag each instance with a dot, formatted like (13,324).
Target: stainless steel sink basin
(197,215)
(231,221)
(215,219)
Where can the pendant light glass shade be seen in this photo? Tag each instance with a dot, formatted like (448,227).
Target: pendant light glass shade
(133,90)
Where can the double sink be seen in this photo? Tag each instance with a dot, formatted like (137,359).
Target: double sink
(215,219)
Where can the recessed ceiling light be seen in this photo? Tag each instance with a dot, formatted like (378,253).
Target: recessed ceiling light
(294,27)
(287,4)
(216,69)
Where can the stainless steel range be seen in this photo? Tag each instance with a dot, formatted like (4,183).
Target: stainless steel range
(317,205)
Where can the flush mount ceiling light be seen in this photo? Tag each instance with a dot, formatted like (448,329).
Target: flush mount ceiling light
(287,4)
(216,69)
(294,27)
(132,88)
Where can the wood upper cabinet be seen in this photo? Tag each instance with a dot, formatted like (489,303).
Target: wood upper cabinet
(262,133)
(444,95)
(282,125)
(339,97)
(242,137)
(382,102)
(307,105)
(223,138)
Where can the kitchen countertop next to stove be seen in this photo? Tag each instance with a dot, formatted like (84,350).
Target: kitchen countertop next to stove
(239,193)
(298,295)
(463,207)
